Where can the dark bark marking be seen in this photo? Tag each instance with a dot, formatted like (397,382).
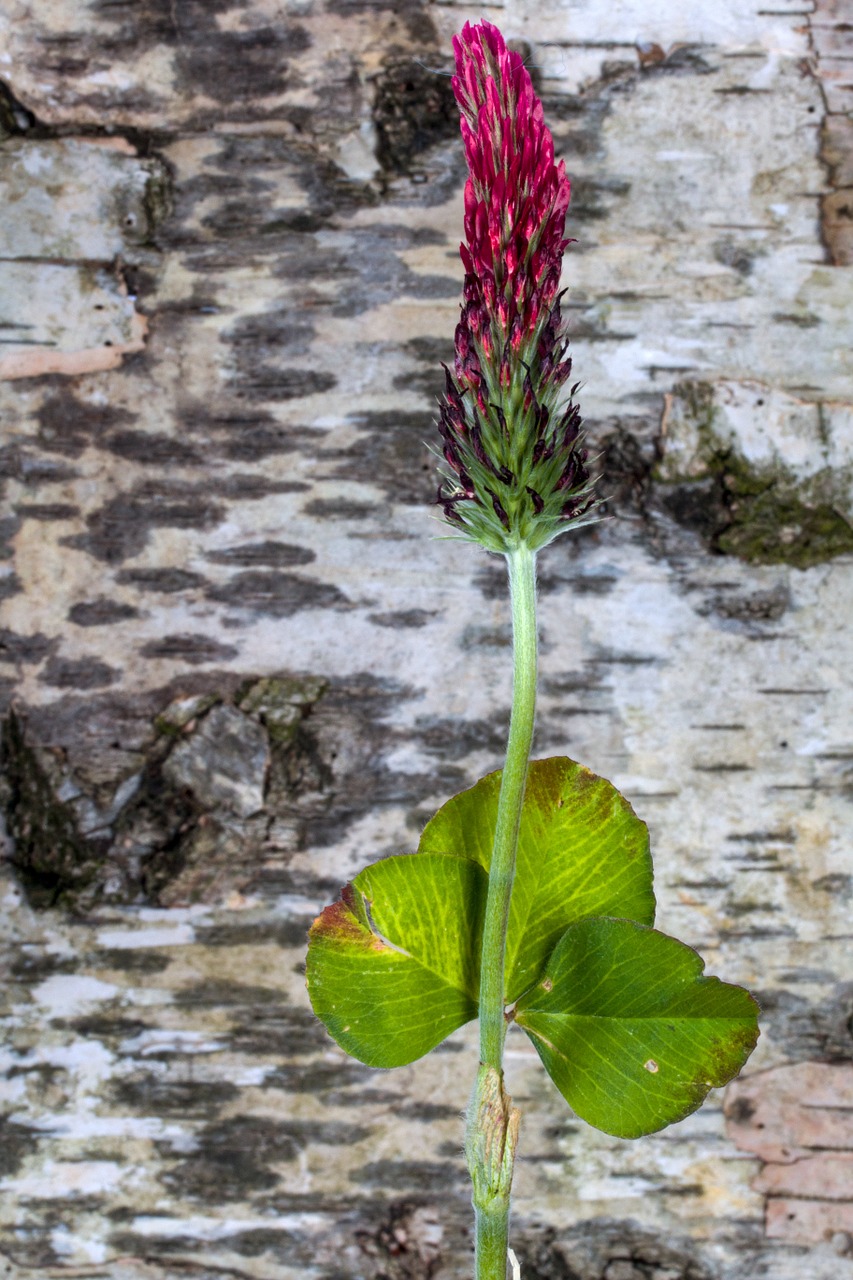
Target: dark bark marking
(298,1249)
(627,461)
(806,1030)
(68,426)
(275,555)
(119,529)
(151,448)
(764,605)
(19,463)
(256,443)
(430,351)
(266,382)
(10,585)
(402,618)
(391,452)
(591,198)
(166,580)
(127,960)
(428,354)
(268,334)
(234,67)
(25,649)
(277,1030)
(242,436)
(379,275)
(693,506)
(235,1157)
(318,1078)
(420,27)
(426,1112)
(838,883)
(111,1030)
(416,1175)
(16,1143)
(227,993)
(277,595)
(292,932)
(260,226)
(448,738)
(248,219)
(245,487)
(30,968)
(102,612)
(189,647)
(740,257)
(46,511)
(339,509)
(79,673)
(149,1094)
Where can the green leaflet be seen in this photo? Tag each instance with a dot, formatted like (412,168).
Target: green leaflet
(628,1028)
(394,965)
(630,1031)
(582,851)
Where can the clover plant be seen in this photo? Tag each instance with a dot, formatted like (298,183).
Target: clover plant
(530,897)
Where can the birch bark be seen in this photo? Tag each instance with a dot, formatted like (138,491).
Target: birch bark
(237,665)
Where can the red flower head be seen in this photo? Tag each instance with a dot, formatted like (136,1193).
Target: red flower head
(517,471)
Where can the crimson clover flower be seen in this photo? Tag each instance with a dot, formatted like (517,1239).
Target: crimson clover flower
(515,467)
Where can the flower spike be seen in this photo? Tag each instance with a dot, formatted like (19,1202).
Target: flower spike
(516,470)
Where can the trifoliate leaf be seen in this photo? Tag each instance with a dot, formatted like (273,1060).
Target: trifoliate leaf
(630,1031)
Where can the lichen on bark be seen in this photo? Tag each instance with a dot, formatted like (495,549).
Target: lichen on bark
(762,511)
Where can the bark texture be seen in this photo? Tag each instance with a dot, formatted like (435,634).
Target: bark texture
(237,665)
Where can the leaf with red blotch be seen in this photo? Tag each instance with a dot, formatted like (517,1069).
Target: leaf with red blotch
(394,964)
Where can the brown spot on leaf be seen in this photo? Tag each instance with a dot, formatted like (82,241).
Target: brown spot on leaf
(338,922)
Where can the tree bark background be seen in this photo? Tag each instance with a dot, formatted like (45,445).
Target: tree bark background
(239,664)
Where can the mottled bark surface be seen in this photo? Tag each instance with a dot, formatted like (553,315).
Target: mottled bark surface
(237,665)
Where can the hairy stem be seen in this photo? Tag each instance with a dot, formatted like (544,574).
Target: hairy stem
(492,1242)
(493,1122)
(522,587)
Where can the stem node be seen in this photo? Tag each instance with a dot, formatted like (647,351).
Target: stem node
(491,1138)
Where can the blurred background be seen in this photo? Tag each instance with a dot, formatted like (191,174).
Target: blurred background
(239,661)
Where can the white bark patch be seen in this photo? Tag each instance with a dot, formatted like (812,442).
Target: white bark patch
(66,995)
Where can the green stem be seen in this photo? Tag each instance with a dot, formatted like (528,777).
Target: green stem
(490,1257)
(522,587)
(493,1123)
